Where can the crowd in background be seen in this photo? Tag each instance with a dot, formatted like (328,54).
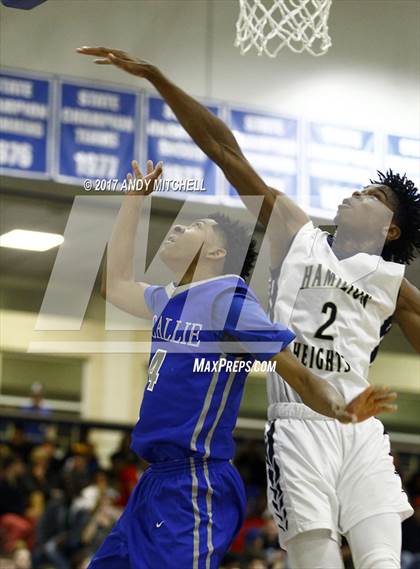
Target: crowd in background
(57,505)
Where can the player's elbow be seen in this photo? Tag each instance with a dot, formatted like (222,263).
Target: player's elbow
(110,296)
(102,290)
(104,287)
(107,290)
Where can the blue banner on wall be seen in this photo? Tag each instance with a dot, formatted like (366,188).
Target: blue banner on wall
(340,160)
(403,156)
(70,130)
(269,142)
(96,132)
(185,167)
(25,125)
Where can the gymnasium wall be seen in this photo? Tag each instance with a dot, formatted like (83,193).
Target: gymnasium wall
(370,77)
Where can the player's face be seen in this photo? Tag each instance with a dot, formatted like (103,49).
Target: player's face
(185,241)
(367,210)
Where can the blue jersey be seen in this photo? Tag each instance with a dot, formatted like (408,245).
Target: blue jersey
(192,397)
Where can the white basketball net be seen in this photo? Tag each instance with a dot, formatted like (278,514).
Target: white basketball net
(269,25)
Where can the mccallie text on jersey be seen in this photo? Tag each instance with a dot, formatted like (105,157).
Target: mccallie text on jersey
(187,333)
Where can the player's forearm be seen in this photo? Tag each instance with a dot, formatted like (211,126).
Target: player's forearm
(208,131)
(414,336)
(121,247)
(315,392)
(407,313)
(320,396)
(410,325)
(218,142)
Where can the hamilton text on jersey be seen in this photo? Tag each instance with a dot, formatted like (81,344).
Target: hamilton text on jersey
(318,276)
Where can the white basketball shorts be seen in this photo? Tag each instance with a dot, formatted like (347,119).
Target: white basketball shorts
(322,474)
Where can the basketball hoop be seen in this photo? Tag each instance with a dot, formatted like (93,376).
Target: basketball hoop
(269,25)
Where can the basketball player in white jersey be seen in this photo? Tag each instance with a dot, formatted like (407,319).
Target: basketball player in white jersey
(339,294)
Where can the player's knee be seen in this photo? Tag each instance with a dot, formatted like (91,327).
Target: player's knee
(379,558)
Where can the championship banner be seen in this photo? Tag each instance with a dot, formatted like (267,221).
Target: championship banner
(270,143)
(403,156)
(25,125)
(340,160)
(96,132)
(186,167)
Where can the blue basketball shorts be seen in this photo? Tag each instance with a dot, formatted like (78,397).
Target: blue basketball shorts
(183,514)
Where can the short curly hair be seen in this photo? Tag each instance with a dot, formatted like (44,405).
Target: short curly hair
(235,234)
(407,217)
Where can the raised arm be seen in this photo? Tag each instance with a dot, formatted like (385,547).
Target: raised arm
(216,140)
(118,284)
(320,396)
(407,313)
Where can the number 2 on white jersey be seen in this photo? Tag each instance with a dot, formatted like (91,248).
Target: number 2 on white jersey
(154,368)
(332,309)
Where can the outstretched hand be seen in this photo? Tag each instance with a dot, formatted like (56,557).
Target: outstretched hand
(143,185)
(372,401)
(118,58)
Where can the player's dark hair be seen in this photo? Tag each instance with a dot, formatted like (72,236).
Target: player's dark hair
(407,217)
(235,235)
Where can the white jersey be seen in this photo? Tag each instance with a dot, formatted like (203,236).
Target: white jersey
(335,307)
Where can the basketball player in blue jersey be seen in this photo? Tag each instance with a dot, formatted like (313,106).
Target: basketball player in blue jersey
(190,502)
(339,294)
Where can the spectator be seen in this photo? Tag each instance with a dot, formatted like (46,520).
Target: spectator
(250,462)
(19,443)
(256,562)
(280,563)
(126,474)
(76,467)
(100,524)
(254,520)
(14,525)
(99,487)
(411,538)
(413,485)
(60,528)
(254,543)
(38,479)
(70,504)
(37,403)
(21,556)
(124,453)
(36,431)
(231,561)
(271,545)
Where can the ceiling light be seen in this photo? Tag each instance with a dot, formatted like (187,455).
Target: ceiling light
(30,240)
